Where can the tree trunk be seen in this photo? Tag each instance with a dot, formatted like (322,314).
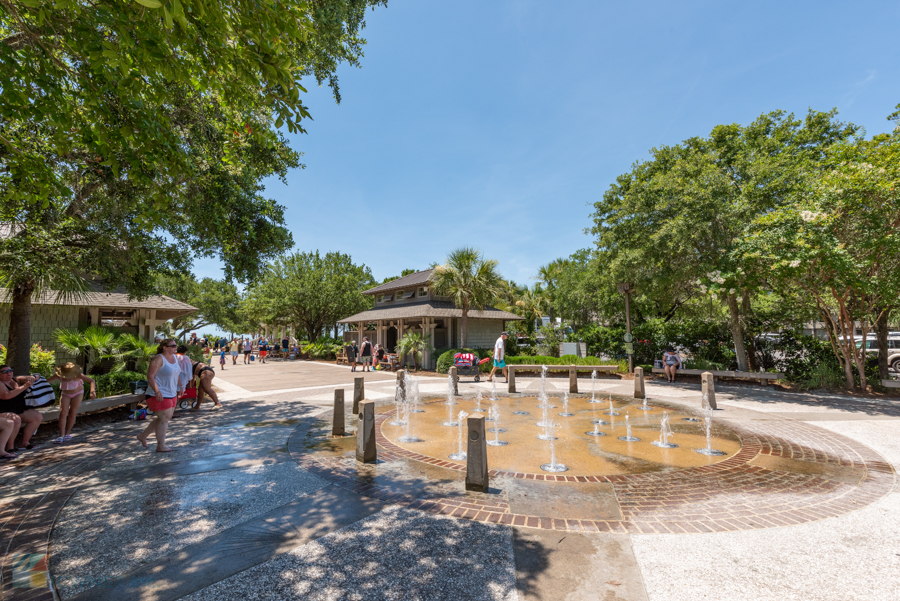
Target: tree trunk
(737,332)
(881,334)
(464,328)
(747,311)
(18,347)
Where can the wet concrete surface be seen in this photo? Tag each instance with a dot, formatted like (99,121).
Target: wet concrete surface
(579,501)
(571,566)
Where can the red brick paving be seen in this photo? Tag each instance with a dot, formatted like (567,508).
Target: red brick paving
(730,495)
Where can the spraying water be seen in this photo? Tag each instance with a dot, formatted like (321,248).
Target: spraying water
(547,424)
(707,418)
(645,406)
(460,455)
(628,437)
(495,417)
(412,394)
(493,390)
(612,410)
(399,402)
(594,388)
(553,466)
(478,402)
(596,431)
(450,402)
(450,393)
(565,411)
(409,407)
(665,432)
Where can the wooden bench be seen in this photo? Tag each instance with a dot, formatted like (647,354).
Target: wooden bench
(572,369)
(52,413)
(342,358)
(762,376)
(891,383)
(390,363)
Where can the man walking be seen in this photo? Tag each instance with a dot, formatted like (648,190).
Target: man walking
(500,356)
(233,348)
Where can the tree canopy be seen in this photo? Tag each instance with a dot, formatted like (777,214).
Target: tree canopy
(134,135)
(471,282)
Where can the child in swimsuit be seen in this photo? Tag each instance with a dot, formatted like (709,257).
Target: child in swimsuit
(71,393)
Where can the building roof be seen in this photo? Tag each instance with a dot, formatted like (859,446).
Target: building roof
(427,309)
(419,278)
(166,307)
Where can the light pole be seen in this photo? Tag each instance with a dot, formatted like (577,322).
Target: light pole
(626,289)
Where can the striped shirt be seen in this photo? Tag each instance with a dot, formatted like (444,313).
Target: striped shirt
(40,393)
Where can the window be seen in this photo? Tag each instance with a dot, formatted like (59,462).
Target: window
(423,291)
(384,298)
(406,294)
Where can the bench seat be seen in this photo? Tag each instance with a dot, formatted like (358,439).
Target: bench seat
(762,376)
(87,406)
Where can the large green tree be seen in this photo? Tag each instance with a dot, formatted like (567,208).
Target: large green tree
(471,282)
(670,224)
(838,242)
(134,135)
(312,292)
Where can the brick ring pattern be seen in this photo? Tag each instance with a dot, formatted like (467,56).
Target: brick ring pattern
(730,495)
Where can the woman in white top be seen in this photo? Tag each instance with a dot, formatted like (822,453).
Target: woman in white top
(164,377)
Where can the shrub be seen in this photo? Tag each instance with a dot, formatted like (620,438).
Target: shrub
(445,359)
(40,362)
(116,382)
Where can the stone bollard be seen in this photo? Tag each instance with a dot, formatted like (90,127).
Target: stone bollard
(476,455)
(708,387)
(455,380)
(365,432)
(512,378)
(638,382)
(401,382)
(337,427)
(359,392)
(573,380)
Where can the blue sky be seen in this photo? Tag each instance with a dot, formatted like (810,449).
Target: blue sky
(498,124)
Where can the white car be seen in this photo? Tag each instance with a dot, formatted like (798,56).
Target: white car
(893,348)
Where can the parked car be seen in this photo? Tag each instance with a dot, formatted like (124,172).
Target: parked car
(893,348)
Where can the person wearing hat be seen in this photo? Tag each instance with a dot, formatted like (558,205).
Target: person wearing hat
(500,357)
(71,393)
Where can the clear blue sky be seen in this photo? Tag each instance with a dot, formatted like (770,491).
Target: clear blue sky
(498,124)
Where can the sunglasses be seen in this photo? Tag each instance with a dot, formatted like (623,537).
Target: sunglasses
(171,346)
(6,371)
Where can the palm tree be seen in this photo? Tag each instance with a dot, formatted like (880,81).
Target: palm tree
(415,344)
(532,305)
(94,343)
(470,280)
(134,348)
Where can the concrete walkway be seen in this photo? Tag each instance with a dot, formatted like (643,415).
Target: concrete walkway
(231,515)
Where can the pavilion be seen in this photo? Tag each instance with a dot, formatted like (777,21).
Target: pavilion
(408,304)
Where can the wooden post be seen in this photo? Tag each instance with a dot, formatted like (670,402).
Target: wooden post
(638,382)
(359,392)
(512,378)
(573,380)
(401,382)
(455,379)
(337,427)
(708,387)
(477,477)
(365,433)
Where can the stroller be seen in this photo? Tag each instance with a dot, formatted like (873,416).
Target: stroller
(466,365)
(190,395)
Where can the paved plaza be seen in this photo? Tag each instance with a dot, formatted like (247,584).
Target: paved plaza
(260,502)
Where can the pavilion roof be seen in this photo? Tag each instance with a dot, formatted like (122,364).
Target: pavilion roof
(432,308)
(419,278)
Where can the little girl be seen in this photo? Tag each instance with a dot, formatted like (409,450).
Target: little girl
(222,360)
(71,392)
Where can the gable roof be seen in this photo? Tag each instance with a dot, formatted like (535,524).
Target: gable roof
(431,308)
(419,278)
(166,307)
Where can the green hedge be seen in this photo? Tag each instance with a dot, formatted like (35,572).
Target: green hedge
(116,383)
(445,360)
(564,360)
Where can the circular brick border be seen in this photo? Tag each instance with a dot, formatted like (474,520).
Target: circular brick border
(729,495)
